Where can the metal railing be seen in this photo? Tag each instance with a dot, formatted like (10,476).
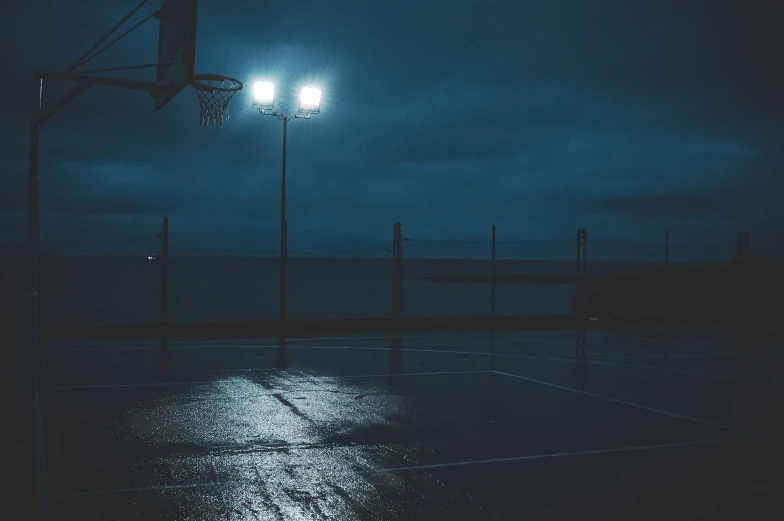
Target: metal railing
(406,277)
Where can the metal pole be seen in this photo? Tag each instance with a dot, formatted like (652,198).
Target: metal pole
(579,254)
(585,257)
(33,234)
(394,270)
(667,247)
(746,246)
(165,270)
(283,241)
(32,429)
(399,270)
(492,282)
(743,246)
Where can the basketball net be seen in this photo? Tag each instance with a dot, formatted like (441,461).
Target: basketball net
(214,97)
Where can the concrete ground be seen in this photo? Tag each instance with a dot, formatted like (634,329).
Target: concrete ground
(643,423)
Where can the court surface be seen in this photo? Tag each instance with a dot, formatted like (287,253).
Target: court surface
(656,423)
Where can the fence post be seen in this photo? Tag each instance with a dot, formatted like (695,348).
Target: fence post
(394,270)
(743,246)
(492,279)
(399,292)
(667,247)
(585,260)
(397,271)
(585,256)
(581,264)
(165,270)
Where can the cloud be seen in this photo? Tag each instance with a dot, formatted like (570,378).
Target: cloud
(539,117)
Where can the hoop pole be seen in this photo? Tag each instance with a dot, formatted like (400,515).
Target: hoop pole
(31,297)
(29,358)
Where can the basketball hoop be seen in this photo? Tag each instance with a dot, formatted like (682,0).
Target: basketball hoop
(215,93)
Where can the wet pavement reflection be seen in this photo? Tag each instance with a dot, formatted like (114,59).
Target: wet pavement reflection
(423,427)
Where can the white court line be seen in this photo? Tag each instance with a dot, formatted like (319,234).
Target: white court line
(317,377)
(173,347)
(407,374)
(651,368)
(154,488)
(153,344)
(559,455)
(631,404)
(161,488)
(640,354)
(179,341)
(524,357)
(447,351)
(694,349)
(542,382)
(117,386)
(262,369)
(671,342)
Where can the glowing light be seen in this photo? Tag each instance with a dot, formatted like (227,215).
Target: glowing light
(263,93)
(310,99)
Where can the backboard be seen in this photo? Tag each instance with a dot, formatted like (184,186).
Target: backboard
(176,47)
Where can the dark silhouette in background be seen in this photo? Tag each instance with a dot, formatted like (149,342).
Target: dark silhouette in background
(744,291)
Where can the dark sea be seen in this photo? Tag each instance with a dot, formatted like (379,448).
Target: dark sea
(123,289)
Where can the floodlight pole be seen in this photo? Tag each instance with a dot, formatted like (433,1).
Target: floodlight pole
(284,254)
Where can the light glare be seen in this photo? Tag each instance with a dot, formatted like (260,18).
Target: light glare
(263,92)
(310,98)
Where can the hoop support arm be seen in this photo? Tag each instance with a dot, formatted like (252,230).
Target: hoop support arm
(144,86)
(63,102)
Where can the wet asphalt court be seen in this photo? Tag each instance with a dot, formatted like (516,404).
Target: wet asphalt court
(656,423)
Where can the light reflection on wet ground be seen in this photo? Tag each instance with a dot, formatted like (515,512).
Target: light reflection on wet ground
(216,429)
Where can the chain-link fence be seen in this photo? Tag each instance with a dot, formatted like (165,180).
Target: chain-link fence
(99,281)
(535,277)
(440,278)
(153,277)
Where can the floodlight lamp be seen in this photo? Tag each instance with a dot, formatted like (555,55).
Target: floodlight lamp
(263,95)
(310,100)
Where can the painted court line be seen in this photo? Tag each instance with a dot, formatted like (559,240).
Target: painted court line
(693,349)
(115,386)
(684,417)
(542,382)
(671,342)
(442,351)
(155,344)
(559,455)
(652,368)
(247,370)
(161,488)
(315,377)
(156,348)
(526,357)
(631,404)
(408,374)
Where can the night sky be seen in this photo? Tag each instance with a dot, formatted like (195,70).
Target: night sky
(624,117)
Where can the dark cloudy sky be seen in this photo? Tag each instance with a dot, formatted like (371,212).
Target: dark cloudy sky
(539,116)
